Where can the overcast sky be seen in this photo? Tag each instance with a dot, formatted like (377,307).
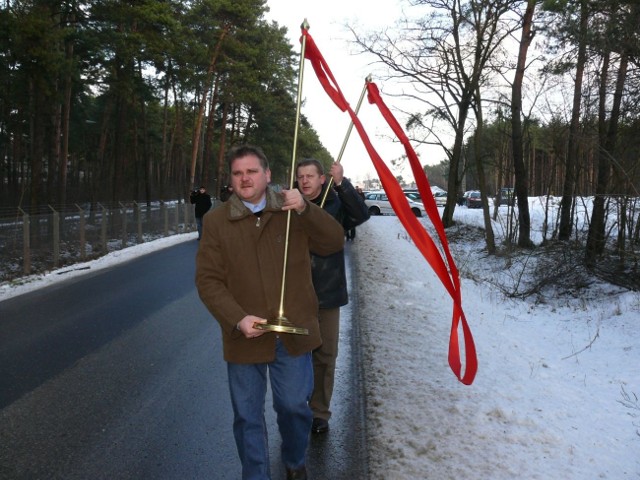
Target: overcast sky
(327,27)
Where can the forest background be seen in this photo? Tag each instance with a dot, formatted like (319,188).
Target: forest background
(119,101)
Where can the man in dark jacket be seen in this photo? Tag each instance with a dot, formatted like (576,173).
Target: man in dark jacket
(329,278)
(202,200)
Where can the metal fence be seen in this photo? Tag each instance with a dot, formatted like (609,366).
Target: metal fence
(40,242)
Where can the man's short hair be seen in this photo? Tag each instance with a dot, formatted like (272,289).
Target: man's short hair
(240,151)
(311,161)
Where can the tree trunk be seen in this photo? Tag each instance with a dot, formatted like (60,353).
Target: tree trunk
(488,229)
(569,187)
(164,155)
(36,151)
(146,149)
(120,149)
(66,115)
(206,151)
(64,154)
(596,238)
(103,169)
(454,166)
(203,101)
(222,148)
(521,187)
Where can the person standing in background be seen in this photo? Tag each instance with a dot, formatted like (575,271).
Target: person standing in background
(351,233)
(202,201)
(329,276)
(226,192)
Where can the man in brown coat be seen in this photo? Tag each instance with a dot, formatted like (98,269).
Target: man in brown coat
(239,276)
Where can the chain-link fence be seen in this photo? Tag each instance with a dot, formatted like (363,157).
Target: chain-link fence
(32,243)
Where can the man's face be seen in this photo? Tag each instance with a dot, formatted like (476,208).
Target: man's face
(310,181)
(248,179)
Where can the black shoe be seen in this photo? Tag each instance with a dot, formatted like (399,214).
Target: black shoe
(297,473)
(319,425)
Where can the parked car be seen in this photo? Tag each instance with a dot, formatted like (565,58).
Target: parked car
(463,199)
(440,198)
(413,195)
(378,204)
(473,200)
(506,196)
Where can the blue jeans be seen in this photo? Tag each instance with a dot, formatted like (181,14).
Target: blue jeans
(291,385)
(199,225)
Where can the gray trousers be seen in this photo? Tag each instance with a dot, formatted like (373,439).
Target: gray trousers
(324,362)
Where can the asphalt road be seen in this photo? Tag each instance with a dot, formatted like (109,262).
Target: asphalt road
(118,374)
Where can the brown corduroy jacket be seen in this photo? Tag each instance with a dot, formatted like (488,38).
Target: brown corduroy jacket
(239,272)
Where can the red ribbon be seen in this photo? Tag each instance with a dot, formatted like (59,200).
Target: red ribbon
(448,275)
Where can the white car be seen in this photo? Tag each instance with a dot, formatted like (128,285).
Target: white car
(378,204)
(440,198)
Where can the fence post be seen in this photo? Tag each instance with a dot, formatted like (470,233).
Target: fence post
(165,214)
(178,217)
(123,212)
(187,220)
(103,229)
(26,242)
(139,220)
(83,241)
(56,236)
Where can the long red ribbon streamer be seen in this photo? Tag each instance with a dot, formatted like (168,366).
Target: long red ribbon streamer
(425,244)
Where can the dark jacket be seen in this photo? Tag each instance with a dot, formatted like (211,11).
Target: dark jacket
(239,272)
(202,202)
(328,272)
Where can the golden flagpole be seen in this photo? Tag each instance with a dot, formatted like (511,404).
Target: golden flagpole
(346,138)
(281,323)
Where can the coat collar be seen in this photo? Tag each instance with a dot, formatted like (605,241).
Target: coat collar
(332,196)
(237,209)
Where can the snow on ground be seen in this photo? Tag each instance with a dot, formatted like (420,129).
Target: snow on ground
(32,282)
(548,401)
(554,397)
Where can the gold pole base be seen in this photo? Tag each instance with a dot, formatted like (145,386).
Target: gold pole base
(281,325)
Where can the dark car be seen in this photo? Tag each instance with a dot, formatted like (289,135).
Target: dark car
(506,196)
(473,200)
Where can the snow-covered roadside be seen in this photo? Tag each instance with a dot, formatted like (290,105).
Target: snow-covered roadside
(547,402)
(33,282)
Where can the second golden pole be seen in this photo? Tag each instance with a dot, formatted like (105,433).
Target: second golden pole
(346,139)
